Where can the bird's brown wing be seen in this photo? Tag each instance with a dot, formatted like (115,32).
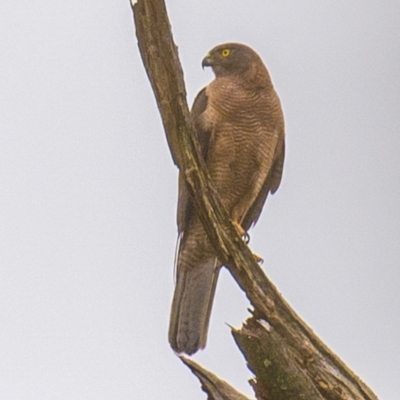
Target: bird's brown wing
(271,185)
(185,203)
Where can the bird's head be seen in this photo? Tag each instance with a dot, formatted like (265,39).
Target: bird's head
(231,59)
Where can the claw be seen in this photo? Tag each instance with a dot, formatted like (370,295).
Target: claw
(259,260)
(246,239)
(242,232)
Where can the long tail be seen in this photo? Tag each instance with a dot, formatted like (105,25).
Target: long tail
(191,306)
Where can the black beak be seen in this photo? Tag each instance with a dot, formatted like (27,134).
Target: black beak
(207,61)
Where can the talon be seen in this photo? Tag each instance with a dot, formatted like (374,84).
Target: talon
(259,260)
(246,238)
(242,232)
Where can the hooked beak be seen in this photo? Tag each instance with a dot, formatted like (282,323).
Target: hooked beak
(207,61)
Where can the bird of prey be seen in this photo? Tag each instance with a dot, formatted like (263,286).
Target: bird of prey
(239,123)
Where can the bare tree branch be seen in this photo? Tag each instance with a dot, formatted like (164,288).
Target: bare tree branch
(328,374)
(271,360)
(216,388)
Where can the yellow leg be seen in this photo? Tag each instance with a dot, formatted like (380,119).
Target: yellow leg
(242,232)
(239,228)
(246,238)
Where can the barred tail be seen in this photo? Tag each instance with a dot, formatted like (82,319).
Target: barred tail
(191,306)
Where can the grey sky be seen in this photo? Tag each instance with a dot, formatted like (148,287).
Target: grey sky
(87,206)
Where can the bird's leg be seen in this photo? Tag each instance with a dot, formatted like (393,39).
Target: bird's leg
(246,238)
(242,232)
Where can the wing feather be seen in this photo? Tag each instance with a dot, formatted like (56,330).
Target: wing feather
(271,185)
(185,204)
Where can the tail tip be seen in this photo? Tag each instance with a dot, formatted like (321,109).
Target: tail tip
(188,345)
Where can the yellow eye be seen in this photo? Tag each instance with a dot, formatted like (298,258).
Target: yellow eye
(225,52)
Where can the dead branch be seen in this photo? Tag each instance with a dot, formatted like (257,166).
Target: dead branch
(216,388)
